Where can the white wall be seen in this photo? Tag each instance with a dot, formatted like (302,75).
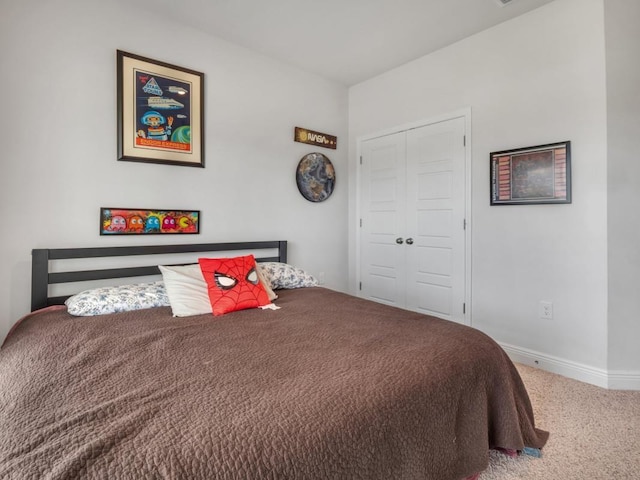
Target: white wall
(537,79)
(622,20)
(58,164)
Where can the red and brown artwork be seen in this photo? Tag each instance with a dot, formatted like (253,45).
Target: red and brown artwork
(539,174)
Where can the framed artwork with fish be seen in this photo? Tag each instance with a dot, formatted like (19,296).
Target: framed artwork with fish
(138,221)
(160,110)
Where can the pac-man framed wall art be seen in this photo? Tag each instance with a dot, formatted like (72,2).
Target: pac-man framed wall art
(136,221)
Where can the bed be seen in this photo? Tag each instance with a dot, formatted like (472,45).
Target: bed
(328,386)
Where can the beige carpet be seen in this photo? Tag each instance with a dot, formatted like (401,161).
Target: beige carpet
(594,433)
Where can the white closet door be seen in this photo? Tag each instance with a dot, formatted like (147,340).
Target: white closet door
(382,187)
(435,209)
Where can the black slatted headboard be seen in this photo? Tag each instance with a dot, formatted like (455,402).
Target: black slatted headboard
(42,277)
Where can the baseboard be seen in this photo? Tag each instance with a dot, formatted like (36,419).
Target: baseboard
(615,380)
(623,380)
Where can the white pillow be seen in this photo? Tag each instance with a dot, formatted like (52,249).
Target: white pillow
(188,292)
(123,298)
(186,289)
(283,275)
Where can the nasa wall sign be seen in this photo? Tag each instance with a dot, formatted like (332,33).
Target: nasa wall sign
(310,137)
(160,112)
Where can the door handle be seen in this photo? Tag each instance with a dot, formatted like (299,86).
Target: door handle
(409,241)
(399,240)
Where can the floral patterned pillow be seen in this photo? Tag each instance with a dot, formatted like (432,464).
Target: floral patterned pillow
(99,301)
(282,275)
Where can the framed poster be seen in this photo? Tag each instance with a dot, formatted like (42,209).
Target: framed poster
(540,174)
(138,221)
(160,111)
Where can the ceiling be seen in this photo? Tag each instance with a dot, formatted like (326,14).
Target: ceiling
(348,41)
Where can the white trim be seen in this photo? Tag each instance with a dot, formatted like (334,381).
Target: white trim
(468,216)
(618,380)
(463,112)
(567,368)
(466,114)
(624,380)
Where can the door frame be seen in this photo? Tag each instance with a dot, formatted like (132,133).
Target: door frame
(464,113)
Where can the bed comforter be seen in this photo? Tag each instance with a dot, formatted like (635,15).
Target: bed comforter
(328,387)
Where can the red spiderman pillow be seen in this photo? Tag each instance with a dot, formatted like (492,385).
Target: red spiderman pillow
(233,284)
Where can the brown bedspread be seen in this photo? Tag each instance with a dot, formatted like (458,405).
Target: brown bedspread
(327,387)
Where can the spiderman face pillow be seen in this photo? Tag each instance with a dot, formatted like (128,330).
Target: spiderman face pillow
(233,284)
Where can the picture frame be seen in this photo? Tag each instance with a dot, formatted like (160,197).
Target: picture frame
(140,221)
(532,175)
(160,112)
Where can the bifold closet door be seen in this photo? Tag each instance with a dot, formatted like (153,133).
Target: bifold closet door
(435,221)
(412,225)
(383,204)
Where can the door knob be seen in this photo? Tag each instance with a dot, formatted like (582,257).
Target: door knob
(409,241)
(399,240)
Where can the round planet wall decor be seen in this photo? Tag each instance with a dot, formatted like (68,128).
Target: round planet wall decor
(315,177)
